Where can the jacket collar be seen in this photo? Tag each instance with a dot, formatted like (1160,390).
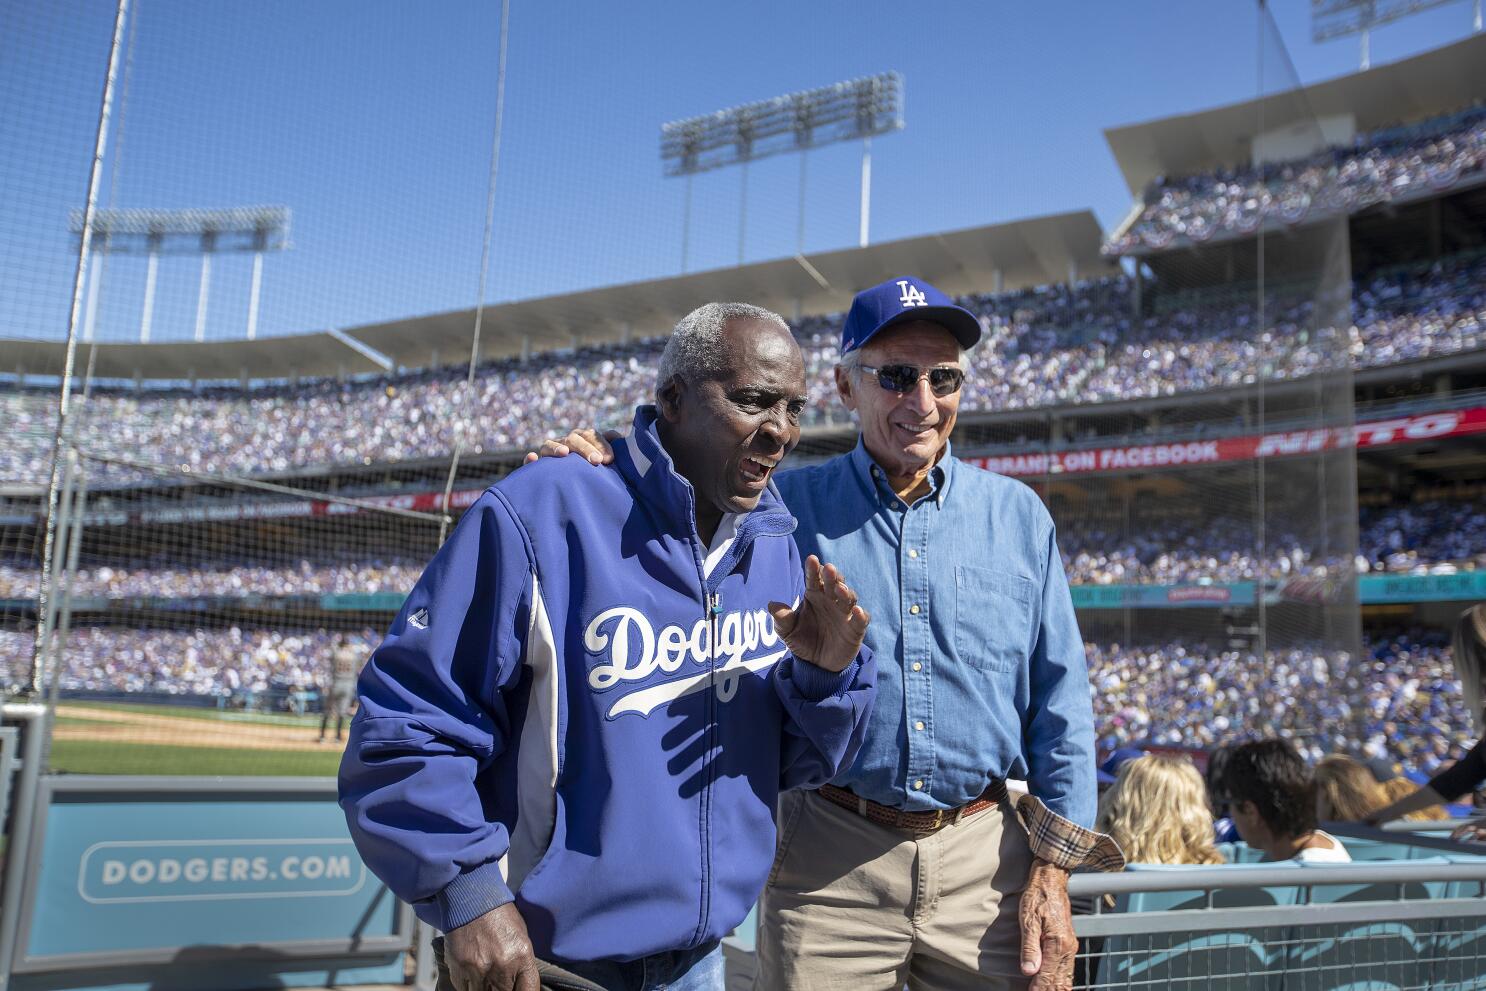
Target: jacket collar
(652,475)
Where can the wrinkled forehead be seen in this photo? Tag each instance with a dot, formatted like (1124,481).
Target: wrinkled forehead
(765,355)
(918,342)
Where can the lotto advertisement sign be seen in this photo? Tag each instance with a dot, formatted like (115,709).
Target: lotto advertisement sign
(1377,433)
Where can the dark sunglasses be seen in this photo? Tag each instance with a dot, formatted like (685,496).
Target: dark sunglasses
(944,380)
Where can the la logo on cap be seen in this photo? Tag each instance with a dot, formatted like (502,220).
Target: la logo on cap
(912,294)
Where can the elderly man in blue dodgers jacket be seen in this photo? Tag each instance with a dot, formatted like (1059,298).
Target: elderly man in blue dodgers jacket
(572,741)
(914,864)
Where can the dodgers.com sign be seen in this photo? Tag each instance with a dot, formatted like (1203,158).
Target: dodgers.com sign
(214,870)
(129,870)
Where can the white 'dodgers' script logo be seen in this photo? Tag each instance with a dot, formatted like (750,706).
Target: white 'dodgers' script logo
(635,652)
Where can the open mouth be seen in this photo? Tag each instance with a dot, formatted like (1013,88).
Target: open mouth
(756,472)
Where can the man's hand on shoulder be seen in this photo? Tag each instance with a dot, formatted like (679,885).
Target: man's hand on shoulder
(492,952)
(585,442)
(828,627)
(1048,943)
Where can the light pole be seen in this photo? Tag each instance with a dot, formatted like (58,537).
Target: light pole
(844,111)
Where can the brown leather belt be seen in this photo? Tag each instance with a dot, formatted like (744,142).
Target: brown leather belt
(918,822)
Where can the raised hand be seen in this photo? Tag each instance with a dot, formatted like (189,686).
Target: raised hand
(828,627)
(585,441)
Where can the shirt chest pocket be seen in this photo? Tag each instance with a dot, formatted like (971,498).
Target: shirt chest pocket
(993,618)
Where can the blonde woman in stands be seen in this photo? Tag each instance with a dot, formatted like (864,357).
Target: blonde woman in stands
(1157,812)
(1346,790)
(1396,788)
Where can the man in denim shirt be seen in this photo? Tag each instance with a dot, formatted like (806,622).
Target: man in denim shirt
(915,864)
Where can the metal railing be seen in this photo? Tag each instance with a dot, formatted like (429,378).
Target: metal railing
(1365,926)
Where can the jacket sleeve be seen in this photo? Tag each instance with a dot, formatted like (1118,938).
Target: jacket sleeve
(825,714)
(433,716)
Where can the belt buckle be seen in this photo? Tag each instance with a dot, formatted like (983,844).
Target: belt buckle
(938,819)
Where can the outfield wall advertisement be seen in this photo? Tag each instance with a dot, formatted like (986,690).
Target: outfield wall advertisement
(1376,433)
(147,872)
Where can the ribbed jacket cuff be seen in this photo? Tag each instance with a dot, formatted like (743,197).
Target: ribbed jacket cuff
(817,684)
(469,896)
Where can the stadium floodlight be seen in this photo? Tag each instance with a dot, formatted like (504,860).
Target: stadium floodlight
(844,111)
(1338,18)
(155,232)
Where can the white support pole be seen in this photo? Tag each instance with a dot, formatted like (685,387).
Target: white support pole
(1476,21)
(800,226)
(202,293)
(253,295)
(1366,49)
(46,600)
(866,191)
(149,295)
(686,225)
(90,314)
(743,213)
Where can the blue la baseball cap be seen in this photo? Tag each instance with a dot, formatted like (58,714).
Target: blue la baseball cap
(899,301)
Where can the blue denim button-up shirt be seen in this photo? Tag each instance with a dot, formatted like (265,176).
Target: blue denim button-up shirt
(980,664)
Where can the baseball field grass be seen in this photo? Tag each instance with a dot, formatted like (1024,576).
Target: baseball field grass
(98,738)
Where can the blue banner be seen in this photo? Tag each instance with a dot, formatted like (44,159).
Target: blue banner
(160,871)
(1466,586)
(1163,596)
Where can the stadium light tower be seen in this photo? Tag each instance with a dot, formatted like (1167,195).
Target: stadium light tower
(1337,18)
(844,111)
(155,232)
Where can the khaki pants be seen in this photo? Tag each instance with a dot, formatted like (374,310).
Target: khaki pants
(857,906)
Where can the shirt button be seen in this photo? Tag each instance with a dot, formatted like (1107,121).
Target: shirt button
(918,785)
(912,552)
(917,666)
(919,725)
(913,609)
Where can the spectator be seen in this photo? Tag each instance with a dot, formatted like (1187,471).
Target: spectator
(1468,773)
(1273,800)
(1396,788)
(1157,812)
(1346,791)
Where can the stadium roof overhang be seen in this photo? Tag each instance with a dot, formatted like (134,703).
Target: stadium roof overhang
(1013,255)
(1437,81)
(323,354)
(1035,251)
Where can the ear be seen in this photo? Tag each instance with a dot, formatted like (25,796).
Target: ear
(845,387)
(668,398)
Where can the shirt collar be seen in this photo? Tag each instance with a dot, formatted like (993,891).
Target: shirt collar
(874,479)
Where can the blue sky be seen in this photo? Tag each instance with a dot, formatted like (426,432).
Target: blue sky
(372,120)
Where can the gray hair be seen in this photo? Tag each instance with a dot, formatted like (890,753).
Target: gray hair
(851,361)
(696,351)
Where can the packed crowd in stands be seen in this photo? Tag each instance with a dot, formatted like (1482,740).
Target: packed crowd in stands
(1401,701)
(1046,346)
(229,663)
(1379,166)
(224,578)
(1437,537)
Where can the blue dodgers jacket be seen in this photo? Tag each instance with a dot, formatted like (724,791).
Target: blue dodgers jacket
(583,708)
